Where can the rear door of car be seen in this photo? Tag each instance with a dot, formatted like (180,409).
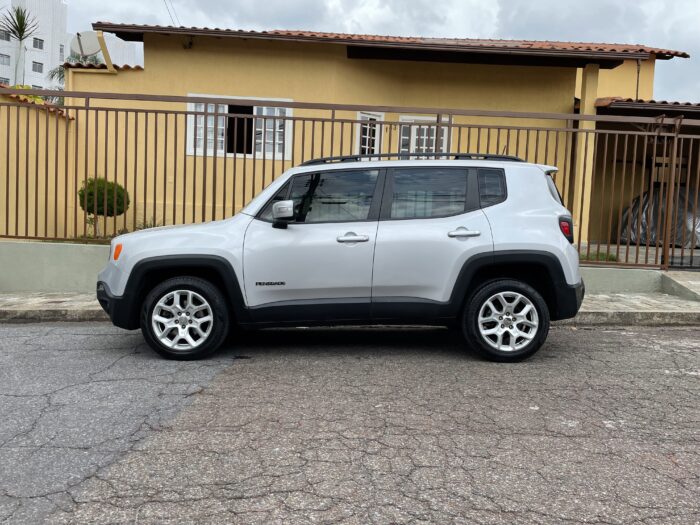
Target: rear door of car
(430,225)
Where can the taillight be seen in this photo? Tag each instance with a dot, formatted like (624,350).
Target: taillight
(567,228)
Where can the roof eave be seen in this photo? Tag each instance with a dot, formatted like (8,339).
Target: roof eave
(136,33)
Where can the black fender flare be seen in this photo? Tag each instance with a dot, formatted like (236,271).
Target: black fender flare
(136,290)
(463,287)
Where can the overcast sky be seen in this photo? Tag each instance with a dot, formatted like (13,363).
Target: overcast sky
(670,24)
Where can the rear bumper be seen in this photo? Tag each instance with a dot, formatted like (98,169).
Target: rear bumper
(119,309)
(569,299)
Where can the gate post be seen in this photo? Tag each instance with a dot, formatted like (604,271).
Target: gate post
(585,148)
(670,191)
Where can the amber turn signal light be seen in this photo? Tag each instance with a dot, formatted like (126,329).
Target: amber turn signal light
(117,251)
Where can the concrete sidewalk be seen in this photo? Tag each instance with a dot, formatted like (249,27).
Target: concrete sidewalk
(647,309)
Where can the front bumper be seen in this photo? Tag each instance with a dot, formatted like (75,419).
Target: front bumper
(569,299)
(119,309)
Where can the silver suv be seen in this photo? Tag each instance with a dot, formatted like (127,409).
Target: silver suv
(479,242)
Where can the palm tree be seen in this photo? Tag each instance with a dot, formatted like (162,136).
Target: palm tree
(20,24)
(58,74)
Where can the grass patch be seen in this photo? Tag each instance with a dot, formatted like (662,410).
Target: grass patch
(598,256)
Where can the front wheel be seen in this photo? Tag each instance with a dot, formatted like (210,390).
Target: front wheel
(506,320)
(184,318)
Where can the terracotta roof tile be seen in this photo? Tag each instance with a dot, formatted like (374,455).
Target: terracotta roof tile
(125,67)
(606,102)
(133,31)
(23,99)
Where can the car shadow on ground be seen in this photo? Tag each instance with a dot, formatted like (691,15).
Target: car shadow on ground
(350,341)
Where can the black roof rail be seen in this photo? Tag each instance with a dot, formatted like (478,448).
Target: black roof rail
(412,156)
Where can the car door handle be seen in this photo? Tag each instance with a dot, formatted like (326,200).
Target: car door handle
(463,232)
(352,237)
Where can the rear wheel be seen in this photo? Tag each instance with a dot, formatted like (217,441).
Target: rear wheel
(506,320)
(185,318)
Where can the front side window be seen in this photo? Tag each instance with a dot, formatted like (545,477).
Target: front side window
(37,67)
(236,129)
(332,196)
(4,60)
(422,193)
(38,43)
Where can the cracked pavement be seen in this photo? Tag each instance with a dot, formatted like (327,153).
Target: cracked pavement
(357,425)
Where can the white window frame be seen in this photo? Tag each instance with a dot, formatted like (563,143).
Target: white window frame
(4,80)
(3,57)
(378,139)
(61,53)
(269,155)
(36,40)
(5,36)
(40,64)
(423,120)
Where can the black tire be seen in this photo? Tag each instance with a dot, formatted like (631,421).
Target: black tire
(219,310)
(470,321)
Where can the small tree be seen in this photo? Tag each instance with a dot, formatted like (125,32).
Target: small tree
(20,25)
(100,197)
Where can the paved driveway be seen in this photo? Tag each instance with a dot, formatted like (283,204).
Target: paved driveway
(357,426)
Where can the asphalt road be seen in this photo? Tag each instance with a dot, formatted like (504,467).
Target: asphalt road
(356,426)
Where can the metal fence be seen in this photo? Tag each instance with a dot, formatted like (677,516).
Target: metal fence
(631,182)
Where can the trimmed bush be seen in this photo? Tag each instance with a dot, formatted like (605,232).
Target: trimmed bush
(104,193)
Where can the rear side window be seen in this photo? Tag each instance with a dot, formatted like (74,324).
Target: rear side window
(421,193)
(492,186)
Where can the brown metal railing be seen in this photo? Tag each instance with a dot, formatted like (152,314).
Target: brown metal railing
(631,182)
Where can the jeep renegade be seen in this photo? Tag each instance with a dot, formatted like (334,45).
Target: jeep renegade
(478,242)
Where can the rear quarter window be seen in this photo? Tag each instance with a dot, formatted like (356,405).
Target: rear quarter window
(553,188)
(492,186)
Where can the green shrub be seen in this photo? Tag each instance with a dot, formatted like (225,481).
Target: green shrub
(103,198)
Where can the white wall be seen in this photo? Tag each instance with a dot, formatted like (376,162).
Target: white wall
(51,17)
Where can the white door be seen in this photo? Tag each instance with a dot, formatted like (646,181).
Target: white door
(324,256)
(427,233)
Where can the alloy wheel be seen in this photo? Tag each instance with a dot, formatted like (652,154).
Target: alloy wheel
(508,321)
(182,320)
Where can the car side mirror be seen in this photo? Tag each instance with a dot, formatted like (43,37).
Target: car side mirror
(282,213)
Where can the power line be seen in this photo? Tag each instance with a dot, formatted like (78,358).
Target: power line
(172,7)
(169,13)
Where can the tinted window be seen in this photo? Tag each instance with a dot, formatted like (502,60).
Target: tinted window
(428,192)
(492,186)
(333,196)
(553,188)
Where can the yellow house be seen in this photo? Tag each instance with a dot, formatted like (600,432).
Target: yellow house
(221,113)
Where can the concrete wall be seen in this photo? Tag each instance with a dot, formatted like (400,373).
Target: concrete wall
(50,267)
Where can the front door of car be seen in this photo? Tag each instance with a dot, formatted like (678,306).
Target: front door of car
(320,266)
(430,225)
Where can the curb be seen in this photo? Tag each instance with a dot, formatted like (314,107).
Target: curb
(632,318)
(629,318)
(52,315)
